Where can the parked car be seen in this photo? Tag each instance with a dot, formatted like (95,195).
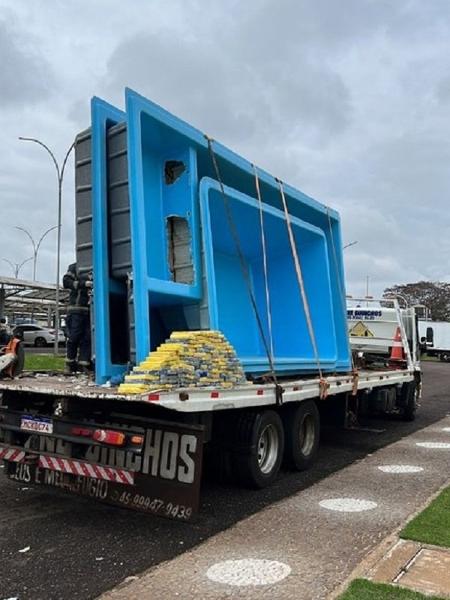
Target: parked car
(38,336)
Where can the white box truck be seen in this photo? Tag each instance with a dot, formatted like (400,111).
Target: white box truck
(435,338)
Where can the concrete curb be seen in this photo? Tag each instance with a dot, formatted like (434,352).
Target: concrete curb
(367,568)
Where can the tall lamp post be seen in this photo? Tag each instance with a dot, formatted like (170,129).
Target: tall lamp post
(349,245)
(17,266)
(60,175)
(36,246)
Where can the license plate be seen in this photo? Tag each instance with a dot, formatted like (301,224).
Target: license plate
(36,425)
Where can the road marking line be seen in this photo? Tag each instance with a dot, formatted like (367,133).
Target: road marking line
(400,468)
(434,445)
(348,504)
(248,572)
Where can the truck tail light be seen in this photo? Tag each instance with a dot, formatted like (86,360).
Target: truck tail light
(115,438)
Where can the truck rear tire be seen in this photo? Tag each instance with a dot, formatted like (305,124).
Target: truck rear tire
(409,401)
(302,435)
(260,437)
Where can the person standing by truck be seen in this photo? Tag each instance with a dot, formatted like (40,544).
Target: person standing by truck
(78,354)
(5,332)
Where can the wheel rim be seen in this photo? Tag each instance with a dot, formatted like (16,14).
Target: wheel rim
(306,435)
(268,449)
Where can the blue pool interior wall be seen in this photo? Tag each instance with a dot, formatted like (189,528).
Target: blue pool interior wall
(158,297)
(154,135)
(229,302)
(103,116)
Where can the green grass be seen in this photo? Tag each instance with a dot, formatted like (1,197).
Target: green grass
(361,589)
(427,358)
(43,362)
(432,526)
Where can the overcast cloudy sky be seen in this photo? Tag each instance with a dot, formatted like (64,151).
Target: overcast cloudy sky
(348,100)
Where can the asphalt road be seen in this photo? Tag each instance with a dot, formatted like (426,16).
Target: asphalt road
(78,549)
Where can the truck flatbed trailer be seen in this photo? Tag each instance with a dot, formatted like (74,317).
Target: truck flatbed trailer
(145,451)
(193,400)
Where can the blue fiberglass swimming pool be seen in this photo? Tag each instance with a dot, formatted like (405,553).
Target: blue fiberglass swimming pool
(173,267)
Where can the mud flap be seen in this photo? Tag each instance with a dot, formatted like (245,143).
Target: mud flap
(167,483)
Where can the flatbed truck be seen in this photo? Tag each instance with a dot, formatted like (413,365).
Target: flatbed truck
(145,451)
(181,234)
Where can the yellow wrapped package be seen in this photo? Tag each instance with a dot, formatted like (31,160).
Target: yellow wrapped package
(187,359)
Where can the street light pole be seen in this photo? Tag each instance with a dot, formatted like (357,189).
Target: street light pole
(350,244)
(60,175)
(35,246)
(17,266)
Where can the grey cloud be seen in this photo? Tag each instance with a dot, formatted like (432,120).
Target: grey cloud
(79,112)
(404,171)
(212,80)
(347,100)
(442,91)
(25,76)
(333,97)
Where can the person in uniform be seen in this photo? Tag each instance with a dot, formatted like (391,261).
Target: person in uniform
(78,324)
(5,332)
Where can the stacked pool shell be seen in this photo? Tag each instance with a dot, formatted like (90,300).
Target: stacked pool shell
(182,270)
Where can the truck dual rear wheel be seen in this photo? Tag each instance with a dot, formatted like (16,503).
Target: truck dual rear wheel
(409,395)
(302,435)
(261,439)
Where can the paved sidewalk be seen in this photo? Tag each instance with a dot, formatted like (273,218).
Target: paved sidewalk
(420,567)
(305,546)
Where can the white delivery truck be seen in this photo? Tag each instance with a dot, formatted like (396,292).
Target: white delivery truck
(435,338)
(373,326)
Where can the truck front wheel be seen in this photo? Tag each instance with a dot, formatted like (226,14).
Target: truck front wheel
(260,438)
(302,434)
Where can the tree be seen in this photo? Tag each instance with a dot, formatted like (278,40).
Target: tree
(435,295)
